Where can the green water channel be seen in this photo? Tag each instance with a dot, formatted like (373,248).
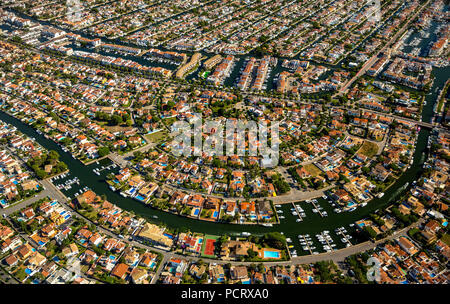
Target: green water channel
(312,224)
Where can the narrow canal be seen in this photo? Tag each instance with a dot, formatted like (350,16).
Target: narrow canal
(312,224)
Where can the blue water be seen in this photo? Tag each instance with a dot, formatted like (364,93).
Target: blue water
(196,211)
(271,254)
(139,197)
(215,214)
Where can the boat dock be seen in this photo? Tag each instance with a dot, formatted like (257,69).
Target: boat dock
(303,238)
(315,207)
(324,237)
(97,170)
(298,212)
(329,244)
(345,237)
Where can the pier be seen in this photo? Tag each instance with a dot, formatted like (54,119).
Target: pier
(298,211)
(307,243)
(339,232)
(315,207)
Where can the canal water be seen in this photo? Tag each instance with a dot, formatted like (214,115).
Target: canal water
(312,224)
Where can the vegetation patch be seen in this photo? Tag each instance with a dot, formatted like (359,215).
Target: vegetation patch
(368,149)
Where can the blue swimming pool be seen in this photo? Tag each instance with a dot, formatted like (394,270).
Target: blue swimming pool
(140,197)
(268,254)
(196,211)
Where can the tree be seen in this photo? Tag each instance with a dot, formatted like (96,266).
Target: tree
(103,151)
(275,240)
(53,155)
(261,267)
(116,120)
(41,174)
(370,232)
(251,254)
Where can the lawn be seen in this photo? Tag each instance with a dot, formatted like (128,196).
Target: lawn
(368,149)
(312,169)
(156,137)
(446,239)
(114,129)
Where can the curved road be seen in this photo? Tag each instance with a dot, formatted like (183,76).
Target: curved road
(336,256)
